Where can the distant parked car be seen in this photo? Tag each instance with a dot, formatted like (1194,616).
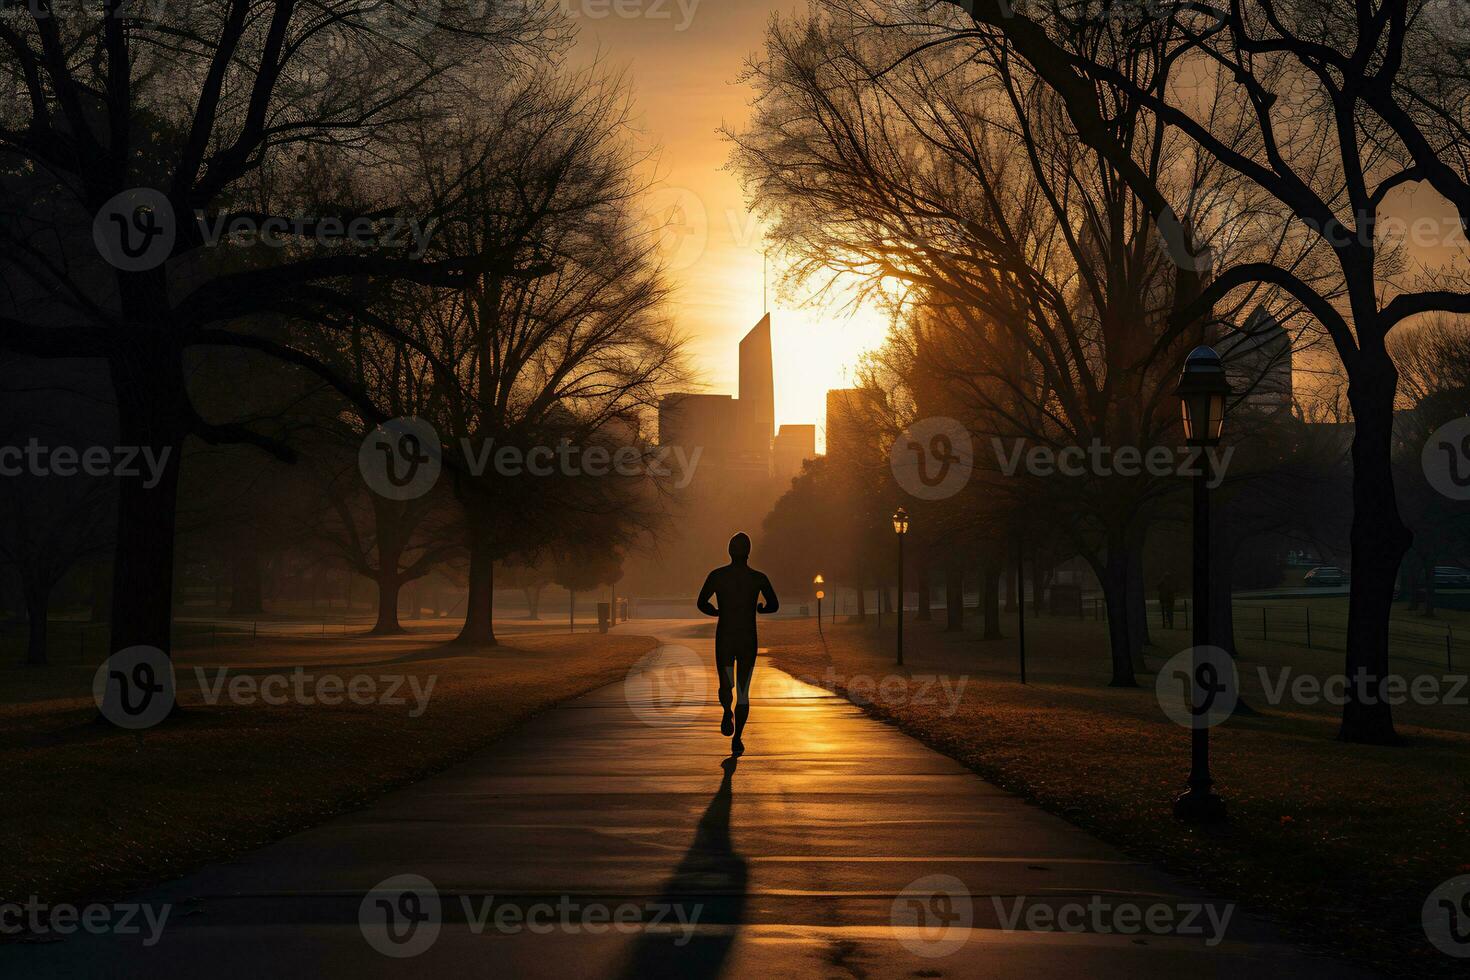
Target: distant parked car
(1325,575)
(1447,576)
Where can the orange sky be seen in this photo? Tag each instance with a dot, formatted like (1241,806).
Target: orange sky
(683,58)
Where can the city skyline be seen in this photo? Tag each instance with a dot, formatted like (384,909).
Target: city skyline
(685,88)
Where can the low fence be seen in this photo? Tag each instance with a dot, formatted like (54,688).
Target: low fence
(1430,642)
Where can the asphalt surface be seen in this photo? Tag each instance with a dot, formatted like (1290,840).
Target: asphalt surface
(614,837)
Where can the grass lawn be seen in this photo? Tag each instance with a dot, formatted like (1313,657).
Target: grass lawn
(1342,843)
(92,812)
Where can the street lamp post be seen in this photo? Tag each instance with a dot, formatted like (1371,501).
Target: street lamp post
(820,594)
(901,528)
(1202,391)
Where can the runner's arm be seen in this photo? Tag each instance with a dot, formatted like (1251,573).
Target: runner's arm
(769,594)
(704,596)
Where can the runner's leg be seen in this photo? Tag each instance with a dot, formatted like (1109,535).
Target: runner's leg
(725,667)
(746,664)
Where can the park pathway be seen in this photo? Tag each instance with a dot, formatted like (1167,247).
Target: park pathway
(836,847)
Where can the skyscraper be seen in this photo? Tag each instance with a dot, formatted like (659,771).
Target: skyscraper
(757,401)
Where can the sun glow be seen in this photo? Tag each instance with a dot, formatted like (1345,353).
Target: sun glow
(712,243)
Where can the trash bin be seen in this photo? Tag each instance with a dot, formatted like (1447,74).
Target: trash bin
(604,613)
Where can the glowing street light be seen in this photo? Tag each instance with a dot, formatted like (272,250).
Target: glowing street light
(820,595)
(1203,389)
(900,528)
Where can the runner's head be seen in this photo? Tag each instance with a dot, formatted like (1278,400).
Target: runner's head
(740,547)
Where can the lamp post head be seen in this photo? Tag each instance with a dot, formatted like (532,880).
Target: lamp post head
(901,521)
(1202,391)
(818,580)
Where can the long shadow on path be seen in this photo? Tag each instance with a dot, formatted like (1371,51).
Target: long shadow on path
(709,887)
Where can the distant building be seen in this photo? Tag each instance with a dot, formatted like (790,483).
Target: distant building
(735,483)
(706,422)
(734,434)
(794,445)
(757,402)
(1258,357)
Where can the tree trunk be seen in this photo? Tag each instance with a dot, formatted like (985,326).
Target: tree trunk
(389,586)
(990,597)
(1115,594)
(533,601)
(954,598)
(1005,573)
(152,415)
(1410,578)
(862,604)
(38,607)
(479,618)
(571,611)
(101,593)
(1428,586)
(1038,585)
(1138,635)
(1379,542)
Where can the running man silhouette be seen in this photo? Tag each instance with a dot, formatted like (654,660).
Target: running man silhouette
(737,586)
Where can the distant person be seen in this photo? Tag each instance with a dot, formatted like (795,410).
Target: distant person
(1167,595)
(737,587)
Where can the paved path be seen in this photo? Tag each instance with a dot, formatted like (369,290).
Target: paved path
(836,847)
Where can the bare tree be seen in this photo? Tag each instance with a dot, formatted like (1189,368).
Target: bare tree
(130,126)
(1048,294)
(1349,104)
(1434,364)
(53,513)
(566,344)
